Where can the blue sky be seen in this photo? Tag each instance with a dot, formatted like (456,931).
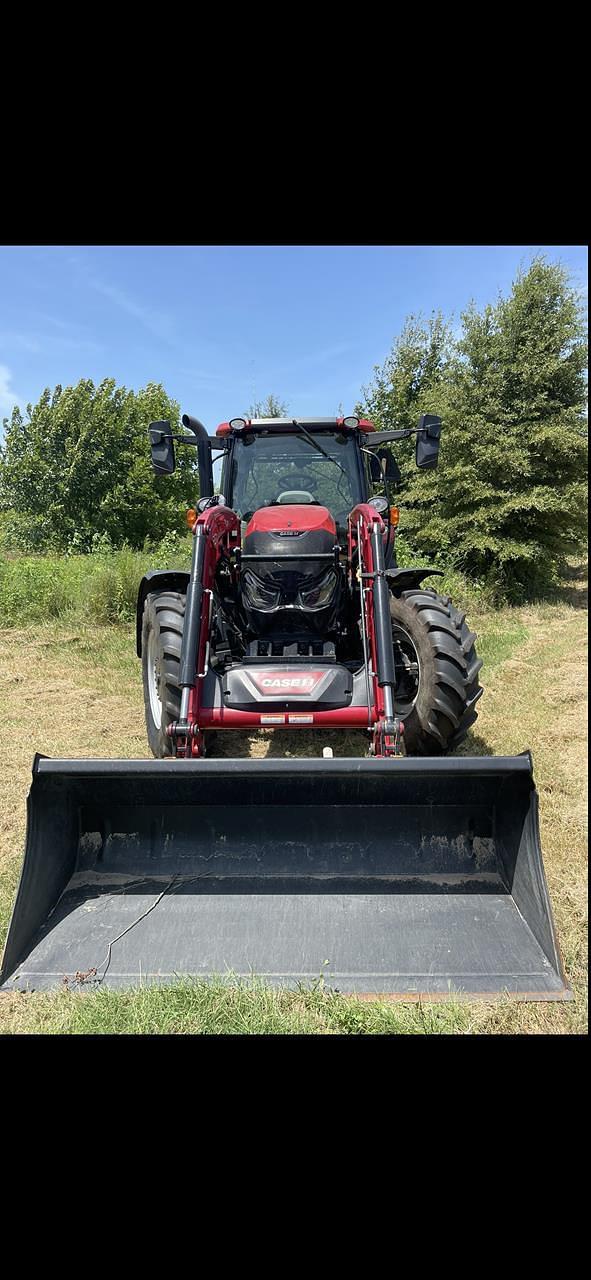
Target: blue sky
(222,325)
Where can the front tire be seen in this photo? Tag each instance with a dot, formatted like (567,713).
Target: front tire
(438,668)
(162,635)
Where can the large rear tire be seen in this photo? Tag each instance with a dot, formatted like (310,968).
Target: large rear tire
(162,635)
(438,690)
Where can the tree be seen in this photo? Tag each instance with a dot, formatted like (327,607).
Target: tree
(508,500)
(78,465)
(270,407)
(410,382)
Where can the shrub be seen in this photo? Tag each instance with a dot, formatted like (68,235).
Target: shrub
(101,586)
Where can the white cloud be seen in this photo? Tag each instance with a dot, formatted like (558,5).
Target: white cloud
(319,356)
(202,378)
(19,342)
(62,337)
(156,322)
(8,397)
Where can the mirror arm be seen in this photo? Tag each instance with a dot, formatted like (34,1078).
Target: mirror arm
(404,434)
(221,448)
(165,435)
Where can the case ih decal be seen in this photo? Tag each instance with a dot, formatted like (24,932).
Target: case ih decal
(270,683)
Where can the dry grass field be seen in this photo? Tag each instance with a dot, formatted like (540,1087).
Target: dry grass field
(75,690)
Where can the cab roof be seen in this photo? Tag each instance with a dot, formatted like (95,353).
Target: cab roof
(237,425)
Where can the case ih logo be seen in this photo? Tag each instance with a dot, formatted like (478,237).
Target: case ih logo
(278,682)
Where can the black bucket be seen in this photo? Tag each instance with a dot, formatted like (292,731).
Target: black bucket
(387,877)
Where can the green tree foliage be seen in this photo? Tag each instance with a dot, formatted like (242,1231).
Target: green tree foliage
(412,379)
(270,407)
(508,499)
(77,469)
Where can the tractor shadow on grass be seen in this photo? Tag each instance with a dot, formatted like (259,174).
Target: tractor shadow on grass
(474,745)
(290,744)
(287,744)
(574,589)
(309,743)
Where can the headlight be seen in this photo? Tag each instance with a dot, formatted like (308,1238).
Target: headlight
(257,594)
(318,596)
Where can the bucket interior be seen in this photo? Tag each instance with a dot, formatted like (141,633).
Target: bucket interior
(385,877)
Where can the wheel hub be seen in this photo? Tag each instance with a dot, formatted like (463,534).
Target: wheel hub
(408,671)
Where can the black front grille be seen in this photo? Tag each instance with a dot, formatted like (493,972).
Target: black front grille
(301,651)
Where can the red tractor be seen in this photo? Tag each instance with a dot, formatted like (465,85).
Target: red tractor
(294,613)
(416,876)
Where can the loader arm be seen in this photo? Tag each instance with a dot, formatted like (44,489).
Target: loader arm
(216,533)
(367,535)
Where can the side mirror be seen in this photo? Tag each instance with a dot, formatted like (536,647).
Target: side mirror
(427,448)
(162,447)
(389,467)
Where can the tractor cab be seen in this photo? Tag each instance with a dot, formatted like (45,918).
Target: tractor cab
(293,485)
(273,463)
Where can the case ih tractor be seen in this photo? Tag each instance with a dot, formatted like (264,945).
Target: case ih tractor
(406,871)
(294,614)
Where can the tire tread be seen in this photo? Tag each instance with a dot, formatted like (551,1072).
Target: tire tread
(456,666)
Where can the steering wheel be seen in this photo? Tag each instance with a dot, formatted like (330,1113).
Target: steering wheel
(302,496)
(296,483)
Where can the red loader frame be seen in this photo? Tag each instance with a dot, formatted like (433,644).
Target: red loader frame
(217,534)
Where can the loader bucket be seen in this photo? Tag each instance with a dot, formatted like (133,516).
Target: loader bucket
(399,877)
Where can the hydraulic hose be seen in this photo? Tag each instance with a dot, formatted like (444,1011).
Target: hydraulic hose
(386,672)
(192,616)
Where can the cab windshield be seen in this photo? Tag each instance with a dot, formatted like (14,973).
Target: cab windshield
(266,467)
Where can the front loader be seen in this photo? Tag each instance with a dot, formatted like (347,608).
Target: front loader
(406,871)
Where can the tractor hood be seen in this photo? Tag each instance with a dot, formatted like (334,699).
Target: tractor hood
(285,521)
(289,569)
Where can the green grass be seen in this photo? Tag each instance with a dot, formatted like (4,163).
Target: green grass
(500,635)
(231,1007)
(101,587)
(223,1007)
